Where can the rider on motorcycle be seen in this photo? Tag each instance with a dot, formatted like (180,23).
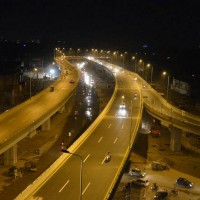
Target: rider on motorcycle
(108,156)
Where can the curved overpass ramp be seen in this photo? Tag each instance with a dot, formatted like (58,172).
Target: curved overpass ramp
(114,130)
(20,121)
(168,114)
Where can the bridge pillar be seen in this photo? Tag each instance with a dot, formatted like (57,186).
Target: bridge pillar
(46,125)
(175,139)
(10,156)
(32,133)
(61,109)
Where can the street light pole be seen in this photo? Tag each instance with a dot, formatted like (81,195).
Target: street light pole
(168,79)
(81,169)
(133,58)
(151,74)
(30,88)
(122,60)
(131,123)
(167,86)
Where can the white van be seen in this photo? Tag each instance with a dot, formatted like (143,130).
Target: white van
(137,172)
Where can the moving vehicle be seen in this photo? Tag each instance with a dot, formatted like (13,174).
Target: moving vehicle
(140,182)
(122,105)
(155,128)
(155,187)
(108,157)
(183,182)
(51,89)
(155,131)
(137,172)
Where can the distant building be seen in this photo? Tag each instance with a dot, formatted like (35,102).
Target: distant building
(180,87)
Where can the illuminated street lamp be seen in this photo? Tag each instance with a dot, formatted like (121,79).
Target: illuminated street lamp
(78,51)
(81,168)
(150,66)
(35,70)
(142,63)
(135,66)
(168,79)
(122,56)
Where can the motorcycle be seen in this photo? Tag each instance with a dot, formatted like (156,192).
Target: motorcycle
(108,157)
(154,187)
(174,192)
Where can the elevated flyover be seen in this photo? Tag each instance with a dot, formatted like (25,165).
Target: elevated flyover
(113,131)
(180,123)
(23,120)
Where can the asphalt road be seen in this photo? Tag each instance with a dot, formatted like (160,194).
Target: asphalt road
(111,135)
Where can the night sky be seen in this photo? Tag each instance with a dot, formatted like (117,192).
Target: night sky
(126,23)
(169,25)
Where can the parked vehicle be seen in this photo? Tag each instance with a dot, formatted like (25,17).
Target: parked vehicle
(174,192)
(137,172)
(183,182)
(12,170)
(159,166)
(140,182)
(30,166)
(161,195)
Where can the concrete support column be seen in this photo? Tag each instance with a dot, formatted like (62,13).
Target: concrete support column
(46,125)
(62,109)
(175,139)
(32,133)
(10,156)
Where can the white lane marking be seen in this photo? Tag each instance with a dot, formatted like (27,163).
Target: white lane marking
(11,120)
(115,141)
(100,139)
(123,126)
(64,186)
(109,126)
(86,188)
(87,157)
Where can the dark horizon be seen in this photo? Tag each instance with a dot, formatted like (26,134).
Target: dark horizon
(166,33)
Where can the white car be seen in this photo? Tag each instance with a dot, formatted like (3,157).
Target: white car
(122,105)
(137,172)
(141,182)
(135,95)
